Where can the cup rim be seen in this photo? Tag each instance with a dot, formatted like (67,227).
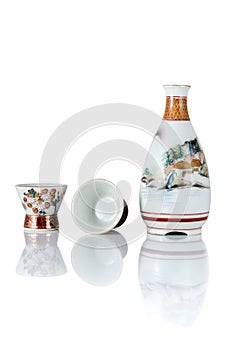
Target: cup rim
(40,184)
(120,212)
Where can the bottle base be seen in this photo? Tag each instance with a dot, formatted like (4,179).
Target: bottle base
(173,232)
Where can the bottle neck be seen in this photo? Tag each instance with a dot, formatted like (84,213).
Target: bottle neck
(176,108)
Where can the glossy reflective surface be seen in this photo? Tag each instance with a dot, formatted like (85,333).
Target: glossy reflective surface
(98,260)
(173,277)
(41,256)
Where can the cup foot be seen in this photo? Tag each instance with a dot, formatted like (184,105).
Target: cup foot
(42,222)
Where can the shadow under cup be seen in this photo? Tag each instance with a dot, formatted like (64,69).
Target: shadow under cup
(98,206)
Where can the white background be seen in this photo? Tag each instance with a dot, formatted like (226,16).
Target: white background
(60,57)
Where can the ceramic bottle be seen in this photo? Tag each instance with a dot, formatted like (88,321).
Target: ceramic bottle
(175,187)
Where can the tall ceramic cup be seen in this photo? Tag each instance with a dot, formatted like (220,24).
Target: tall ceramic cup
(41,255)
(41,203)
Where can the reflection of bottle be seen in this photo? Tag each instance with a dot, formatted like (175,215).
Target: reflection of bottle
(41,256)
(173,275)
(175,188)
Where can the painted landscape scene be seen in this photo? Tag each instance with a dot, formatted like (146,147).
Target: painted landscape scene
(182,166)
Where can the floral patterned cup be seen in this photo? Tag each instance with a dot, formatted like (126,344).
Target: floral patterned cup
(41,203)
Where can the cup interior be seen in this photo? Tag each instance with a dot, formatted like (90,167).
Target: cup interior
(97,206)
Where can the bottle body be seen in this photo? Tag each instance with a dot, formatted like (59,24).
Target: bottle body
(175,187)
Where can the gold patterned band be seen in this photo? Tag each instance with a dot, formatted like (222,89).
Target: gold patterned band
(44,222)
(176,108)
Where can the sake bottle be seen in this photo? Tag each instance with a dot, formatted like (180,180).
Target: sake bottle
(175,186)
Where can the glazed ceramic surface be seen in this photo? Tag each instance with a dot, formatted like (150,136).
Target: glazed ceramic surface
(41,203)
(41,199)
(175,187)
(98,206)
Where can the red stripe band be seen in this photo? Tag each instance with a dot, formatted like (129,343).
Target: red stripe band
(174,229)
(178,214)
(173,219)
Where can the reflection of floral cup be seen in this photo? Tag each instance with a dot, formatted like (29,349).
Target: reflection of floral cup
(41,256)
(41,203)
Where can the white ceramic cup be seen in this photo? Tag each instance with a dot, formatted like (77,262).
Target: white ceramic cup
(98,206)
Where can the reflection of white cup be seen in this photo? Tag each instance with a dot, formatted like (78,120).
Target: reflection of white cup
(98,206)
(98,260)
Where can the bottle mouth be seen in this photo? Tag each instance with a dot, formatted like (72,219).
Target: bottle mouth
(176,89)
(176,85)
